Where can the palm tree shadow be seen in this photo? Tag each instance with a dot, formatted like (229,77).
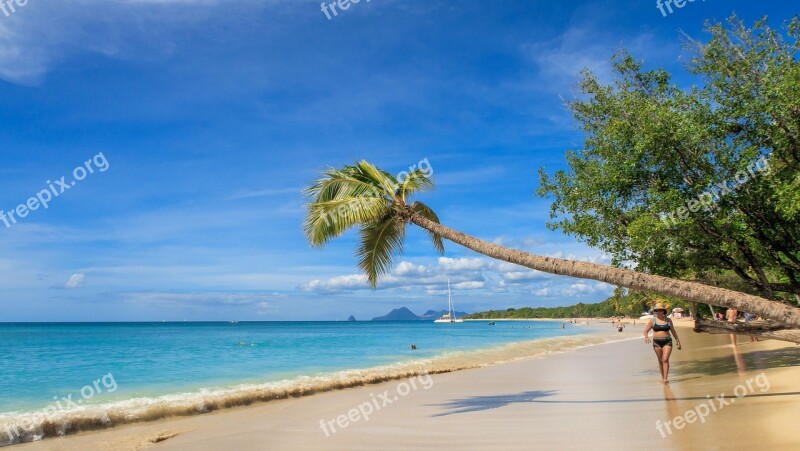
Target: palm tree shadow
(478,403)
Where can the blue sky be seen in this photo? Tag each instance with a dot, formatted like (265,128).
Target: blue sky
(213,115)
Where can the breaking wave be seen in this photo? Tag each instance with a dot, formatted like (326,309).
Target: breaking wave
(18,427)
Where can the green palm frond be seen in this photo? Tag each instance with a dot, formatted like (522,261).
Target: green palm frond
(343,198)
(423,210)
(416,181)
(371,174)
(343,183)
(380,243)
(365,196)
(327,220)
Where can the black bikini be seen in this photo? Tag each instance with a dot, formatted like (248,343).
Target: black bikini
(661,342)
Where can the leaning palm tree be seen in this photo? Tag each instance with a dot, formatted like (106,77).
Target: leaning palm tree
(378,203)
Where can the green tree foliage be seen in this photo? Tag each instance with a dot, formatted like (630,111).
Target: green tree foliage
(623,302)
(699,182)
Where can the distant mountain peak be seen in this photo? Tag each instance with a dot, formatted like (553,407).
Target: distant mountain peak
(404,314)
(398,314)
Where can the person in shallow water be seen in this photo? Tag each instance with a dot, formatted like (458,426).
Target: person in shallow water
(662,341)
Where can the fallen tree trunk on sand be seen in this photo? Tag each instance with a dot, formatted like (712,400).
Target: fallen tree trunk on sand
(758,328)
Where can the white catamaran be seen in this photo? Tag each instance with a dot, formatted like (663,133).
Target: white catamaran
(450,316)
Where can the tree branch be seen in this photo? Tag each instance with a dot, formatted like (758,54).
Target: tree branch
(759,328)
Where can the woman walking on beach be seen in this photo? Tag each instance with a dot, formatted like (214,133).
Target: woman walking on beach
(662,341)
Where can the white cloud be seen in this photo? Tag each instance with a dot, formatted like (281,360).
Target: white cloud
(524,276)
(189,300)
(587,42)
(472,274)
(409,269)
(472,285)
(459,264)
(580,288)
(464,272)
(75,281)
(43,32)
(563,57)
(338,283)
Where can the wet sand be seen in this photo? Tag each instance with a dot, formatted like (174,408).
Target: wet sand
(601,397)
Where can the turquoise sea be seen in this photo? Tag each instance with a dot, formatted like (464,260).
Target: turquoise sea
(55,377)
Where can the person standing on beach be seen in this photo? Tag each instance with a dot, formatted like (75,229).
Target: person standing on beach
(732,315)
(747,318)
(662,341)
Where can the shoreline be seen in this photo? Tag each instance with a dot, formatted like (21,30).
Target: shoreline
(566,320)
(132,411)
(515,405)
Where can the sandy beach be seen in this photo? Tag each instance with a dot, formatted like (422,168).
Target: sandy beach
(606,396)
(284,225)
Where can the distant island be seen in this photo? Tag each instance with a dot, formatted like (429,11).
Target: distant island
(351,318)
(404,314)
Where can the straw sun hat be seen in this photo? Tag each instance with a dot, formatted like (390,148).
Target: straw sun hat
(659,306)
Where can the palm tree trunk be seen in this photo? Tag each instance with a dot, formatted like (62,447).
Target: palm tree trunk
(691,291)
(762,329)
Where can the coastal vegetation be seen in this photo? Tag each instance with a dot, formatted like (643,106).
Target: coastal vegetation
(621,303)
